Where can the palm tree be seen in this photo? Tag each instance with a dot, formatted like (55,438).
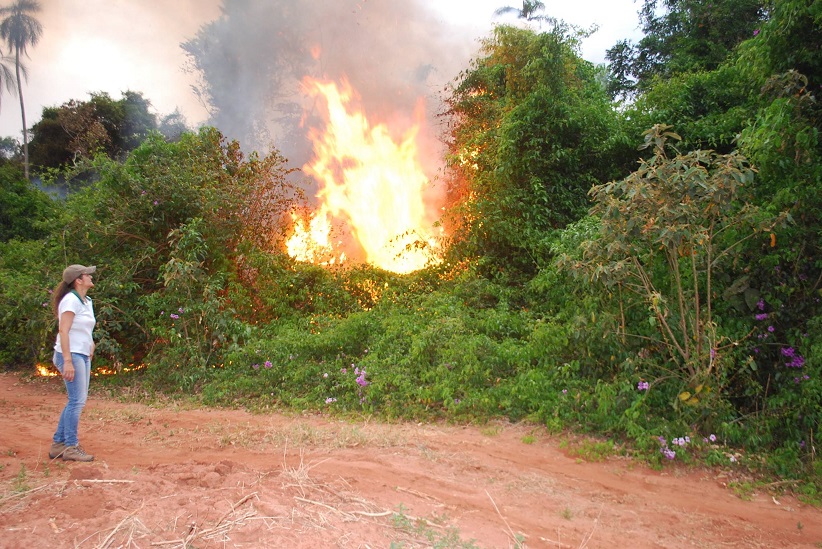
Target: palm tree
(19,30)
(7,75)
(528,12)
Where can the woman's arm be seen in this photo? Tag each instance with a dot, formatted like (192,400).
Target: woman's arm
(66,319)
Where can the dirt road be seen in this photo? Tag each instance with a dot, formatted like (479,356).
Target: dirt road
(170,477)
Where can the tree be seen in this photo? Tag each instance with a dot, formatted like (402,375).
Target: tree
(686,36)
(80,129)
(24,210)
(532,130)
(9,148)
(7,76)
(20,30)
(528,12)
(667,232)
(173,126)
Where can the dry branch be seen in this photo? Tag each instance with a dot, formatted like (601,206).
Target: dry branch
(221,527)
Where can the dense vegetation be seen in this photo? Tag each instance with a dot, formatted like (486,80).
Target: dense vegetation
(646,270)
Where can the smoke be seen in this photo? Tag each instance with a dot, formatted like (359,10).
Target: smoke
(251,62)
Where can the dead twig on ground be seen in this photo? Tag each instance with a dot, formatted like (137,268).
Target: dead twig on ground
(22,494)
(590,534)
(221,527)
(102,481)
(106,542)
(510,531)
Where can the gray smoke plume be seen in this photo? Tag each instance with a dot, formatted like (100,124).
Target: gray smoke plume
(252,59)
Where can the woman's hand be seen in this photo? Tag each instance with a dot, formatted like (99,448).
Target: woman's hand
(68,371)
(66,319)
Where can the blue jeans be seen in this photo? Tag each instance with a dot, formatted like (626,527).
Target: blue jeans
(77,395)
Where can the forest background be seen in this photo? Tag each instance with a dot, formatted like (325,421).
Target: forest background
(633,249)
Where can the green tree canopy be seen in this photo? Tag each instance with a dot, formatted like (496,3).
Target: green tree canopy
(681,36)
(81,129)
(24,210)
(532,131)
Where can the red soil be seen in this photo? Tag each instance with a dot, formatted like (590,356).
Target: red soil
(166,476)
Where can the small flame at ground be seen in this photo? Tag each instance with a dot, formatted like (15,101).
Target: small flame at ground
(48,370)
(371,184)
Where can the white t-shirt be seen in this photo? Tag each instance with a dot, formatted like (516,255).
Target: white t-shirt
(80,340)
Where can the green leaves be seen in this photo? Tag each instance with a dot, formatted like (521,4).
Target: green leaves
(664,231)
(533,131)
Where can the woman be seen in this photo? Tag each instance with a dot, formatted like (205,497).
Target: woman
(72,356)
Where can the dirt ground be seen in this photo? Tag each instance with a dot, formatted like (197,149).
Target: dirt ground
(170,477)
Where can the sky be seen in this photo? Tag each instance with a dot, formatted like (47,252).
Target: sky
(117,45)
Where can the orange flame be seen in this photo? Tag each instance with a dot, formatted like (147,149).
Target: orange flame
(46,370)
(371,184)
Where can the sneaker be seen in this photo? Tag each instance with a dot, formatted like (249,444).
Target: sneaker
(57,449)
(75,453)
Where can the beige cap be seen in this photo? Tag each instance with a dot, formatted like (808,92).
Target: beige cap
(73,272)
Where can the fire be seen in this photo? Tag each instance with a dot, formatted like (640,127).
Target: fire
(370,184)
(46,370)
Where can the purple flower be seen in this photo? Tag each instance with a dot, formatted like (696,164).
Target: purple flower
(662,440)
(565,391)
(761,316)
(668,453)
(267,364)
(771,328)
(180,310)
(756,32)
(325,375)
(643,386)
(255,366)
(788,351)
(343,370)
(712,438)
(761,304)
(329,400)
(174,317)
(156,202)
(713,353)
(796,362)
(361,378)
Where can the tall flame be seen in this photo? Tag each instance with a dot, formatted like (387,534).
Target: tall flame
(373,185)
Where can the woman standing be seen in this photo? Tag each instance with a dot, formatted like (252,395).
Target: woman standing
(72,356)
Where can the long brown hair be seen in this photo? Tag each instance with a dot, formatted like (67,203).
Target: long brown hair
(59,293)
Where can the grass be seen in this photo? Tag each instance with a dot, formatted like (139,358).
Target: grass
(589,449)
(429,533)
(20,483)
(491,430)
(744,490)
